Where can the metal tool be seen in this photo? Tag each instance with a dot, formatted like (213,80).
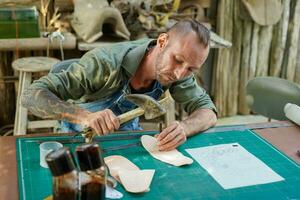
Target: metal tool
(112,137)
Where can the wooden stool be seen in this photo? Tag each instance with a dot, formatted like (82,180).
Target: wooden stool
(27,66)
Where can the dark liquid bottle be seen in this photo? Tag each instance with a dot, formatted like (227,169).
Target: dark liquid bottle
(65,176)
(93,171)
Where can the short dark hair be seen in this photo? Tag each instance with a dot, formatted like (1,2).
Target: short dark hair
(184,26)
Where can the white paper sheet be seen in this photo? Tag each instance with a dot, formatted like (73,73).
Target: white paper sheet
(232,166)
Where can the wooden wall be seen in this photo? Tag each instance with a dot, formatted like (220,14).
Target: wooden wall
(272,50)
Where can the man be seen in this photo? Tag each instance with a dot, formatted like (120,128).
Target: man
(91,92)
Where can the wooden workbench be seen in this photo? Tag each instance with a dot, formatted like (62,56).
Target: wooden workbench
(286,139)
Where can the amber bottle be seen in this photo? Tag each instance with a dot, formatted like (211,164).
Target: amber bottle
(65,175)
(93,173)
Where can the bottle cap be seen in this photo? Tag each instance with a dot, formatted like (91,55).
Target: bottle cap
(89,156)
(60,161)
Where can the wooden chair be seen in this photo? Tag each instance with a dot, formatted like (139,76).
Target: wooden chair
(26,67)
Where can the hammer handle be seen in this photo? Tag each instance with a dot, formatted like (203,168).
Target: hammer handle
(125,117)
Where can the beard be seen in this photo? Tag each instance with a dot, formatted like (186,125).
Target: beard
(163,76)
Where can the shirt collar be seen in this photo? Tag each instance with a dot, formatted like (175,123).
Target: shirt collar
(133,58)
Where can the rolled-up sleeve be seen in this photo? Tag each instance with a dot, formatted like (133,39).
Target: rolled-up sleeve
(80,78)
(189,94)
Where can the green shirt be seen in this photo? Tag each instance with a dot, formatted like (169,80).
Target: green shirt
(103,71)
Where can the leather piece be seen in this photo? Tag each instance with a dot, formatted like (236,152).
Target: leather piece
(128,174)
(173,157)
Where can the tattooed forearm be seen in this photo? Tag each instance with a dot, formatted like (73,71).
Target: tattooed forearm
(199,120)
(45,104)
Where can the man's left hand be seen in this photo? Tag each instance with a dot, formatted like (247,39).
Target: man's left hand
(171,137)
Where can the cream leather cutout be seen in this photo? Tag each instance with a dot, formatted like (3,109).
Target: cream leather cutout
(128,174)
(115,163)
(136,181)
(173,157)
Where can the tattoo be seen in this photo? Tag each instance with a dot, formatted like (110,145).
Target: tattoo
(45,104)
(199,120)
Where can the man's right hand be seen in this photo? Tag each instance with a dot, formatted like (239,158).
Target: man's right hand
(43,103)
(102,122)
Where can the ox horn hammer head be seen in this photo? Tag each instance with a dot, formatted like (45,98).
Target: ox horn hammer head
(151,107)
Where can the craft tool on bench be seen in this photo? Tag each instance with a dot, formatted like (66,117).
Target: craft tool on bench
(112,137)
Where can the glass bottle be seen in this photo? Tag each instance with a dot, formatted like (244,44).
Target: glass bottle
(65,175)
(93,175)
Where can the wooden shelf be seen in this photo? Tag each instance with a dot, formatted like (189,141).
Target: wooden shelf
(37,43)
(84,46)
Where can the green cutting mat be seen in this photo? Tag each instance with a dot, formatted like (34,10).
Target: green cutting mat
(169,182)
